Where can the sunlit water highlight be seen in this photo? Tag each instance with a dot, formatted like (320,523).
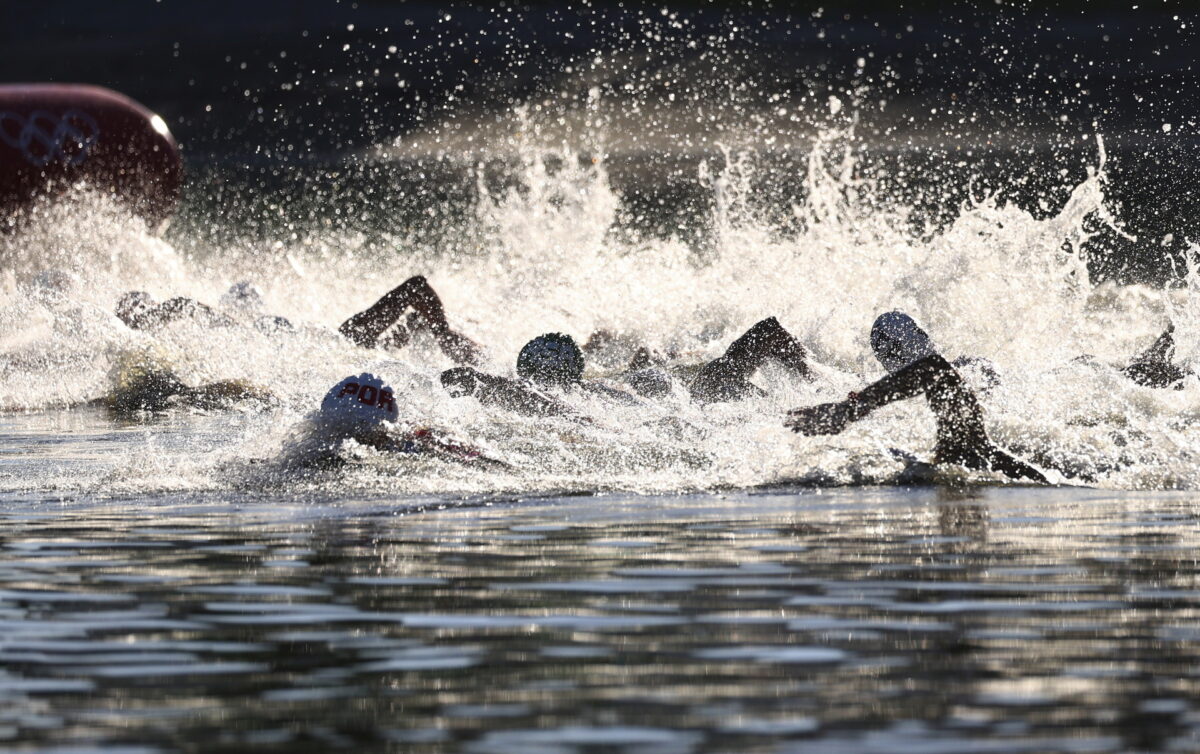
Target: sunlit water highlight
(543,251)
(873,620)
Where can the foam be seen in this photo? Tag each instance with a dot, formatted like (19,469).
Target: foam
(997,282)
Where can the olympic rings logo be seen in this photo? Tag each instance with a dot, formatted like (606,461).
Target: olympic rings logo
(43,137)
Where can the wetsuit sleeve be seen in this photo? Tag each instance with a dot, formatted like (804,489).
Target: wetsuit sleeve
(961,437)
(178,308)
(611,393)
(500,391)
(728,377)
(365,327)
(1013,468)
(959,416)
(931,374)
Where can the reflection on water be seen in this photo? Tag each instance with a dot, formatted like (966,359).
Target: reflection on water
(785,620)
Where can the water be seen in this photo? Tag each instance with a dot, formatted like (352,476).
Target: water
(544,251)
(668,577)
(991,619)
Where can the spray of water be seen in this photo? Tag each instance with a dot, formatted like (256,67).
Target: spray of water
(545,257)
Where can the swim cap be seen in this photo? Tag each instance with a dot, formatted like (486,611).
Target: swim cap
(551,359)
(898,340)
(358,403)
(244,296)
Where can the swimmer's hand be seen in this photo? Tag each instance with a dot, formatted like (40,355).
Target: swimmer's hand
(226,393)
(501,391)
(825,419)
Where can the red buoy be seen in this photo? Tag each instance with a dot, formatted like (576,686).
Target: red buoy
(56,136)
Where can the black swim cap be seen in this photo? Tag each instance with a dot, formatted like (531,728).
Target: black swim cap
(898,340)
(551,359)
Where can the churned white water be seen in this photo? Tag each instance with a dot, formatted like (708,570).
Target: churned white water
(547,256)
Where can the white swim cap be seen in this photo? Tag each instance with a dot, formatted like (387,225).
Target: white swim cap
(358,403)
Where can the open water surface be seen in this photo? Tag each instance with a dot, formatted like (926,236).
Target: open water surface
(666,577)
(970,619)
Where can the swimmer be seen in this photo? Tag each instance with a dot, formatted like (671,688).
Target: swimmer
(149,387)
(379,325)
(727,378)
(915,368)
(364,409)
(140,311)
(554,361)
(551,361)
(428,315)
(242,302)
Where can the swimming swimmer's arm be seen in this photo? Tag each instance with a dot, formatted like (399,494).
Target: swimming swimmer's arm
(223,394)
(728,376)
(961,435)
(499,391)
(429,441)
(175,309)
(932,375)
(365,327)
(612,393)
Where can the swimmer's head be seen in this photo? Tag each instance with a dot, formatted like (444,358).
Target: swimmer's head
(898,340)
(358,404)
(133,305)
(243,297)
(551,359)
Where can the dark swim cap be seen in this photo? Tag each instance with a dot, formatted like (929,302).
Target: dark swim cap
(551,359)
(898,340)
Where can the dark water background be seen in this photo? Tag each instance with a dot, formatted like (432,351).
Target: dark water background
(363,110)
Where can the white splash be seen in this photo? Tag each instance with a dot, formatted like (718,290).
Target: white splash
(997,283)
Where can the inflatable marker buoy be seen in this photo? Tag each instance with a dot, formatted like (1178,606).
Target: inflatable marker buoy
(54,136)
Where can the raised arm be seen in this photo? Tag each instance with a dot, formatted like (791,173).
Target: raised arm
(415,293)
(728,376)
(1153,367)
(961,437)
